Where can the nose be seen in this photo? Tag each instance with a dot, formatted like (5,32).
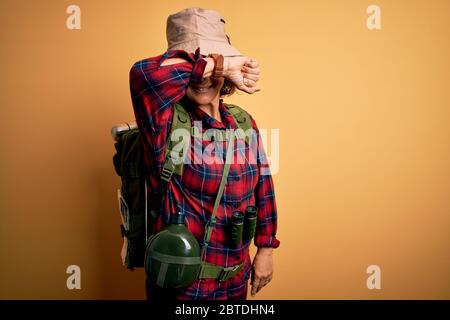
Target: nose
(206,81)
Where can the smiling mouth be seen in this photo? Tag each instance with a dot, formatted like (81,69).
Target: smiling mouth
(202,89)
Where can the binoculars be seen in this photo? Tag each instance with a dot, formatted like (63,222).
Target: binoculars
(243,226)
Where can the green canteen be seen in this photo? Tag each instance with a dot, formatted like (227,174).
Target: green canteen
(172,257)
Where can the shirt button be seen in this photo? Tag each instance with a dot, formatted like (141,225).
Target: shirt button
(237,178)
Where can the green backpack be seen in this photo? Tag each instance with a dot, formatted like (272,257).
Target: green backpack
(137,211)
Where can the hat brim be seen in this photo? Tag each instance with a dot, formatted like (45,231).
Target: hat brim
(207,47)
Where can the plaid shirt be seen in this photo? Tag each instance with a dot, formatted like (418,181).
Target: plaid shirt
(154,91)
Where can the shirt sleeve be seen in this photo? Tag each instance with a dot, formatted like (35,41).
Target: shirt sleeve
(154,91)
(266,226)
(155,88)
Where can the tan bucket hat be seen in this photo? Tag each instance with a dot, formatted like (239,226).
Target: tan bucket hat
(197,27)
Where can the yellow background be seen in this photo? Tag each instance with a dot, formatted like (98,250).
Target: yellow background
(364,151)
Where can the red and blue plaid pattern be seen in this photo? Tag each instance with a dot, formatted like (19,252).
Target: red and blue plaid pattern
(154,91)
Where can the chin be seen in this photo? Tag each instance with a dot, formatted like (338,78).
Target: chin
(201,99)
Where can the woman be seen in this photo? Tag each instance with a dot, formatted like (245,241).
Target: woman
(187,73)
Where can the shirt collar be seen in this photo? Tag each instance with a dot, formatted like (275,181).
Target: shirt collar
(227,118)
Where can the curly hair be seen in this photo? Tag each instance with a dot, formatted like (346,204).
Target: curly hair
(228,88)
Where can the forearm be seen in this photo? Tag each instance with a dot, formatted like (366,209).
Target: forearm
(208,68)
(265,250)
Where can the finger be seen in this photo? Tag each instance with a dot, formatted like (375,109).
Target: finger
(265,281)
(254,77)
(249,82)
(246,69)
(259,288)
(248,86)
(249,90)
(261,285)
(251,62)
(255,286)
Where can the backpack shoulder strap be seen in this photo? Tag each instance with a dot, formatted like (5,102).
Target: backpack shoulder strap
(180,120)
(242,119)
